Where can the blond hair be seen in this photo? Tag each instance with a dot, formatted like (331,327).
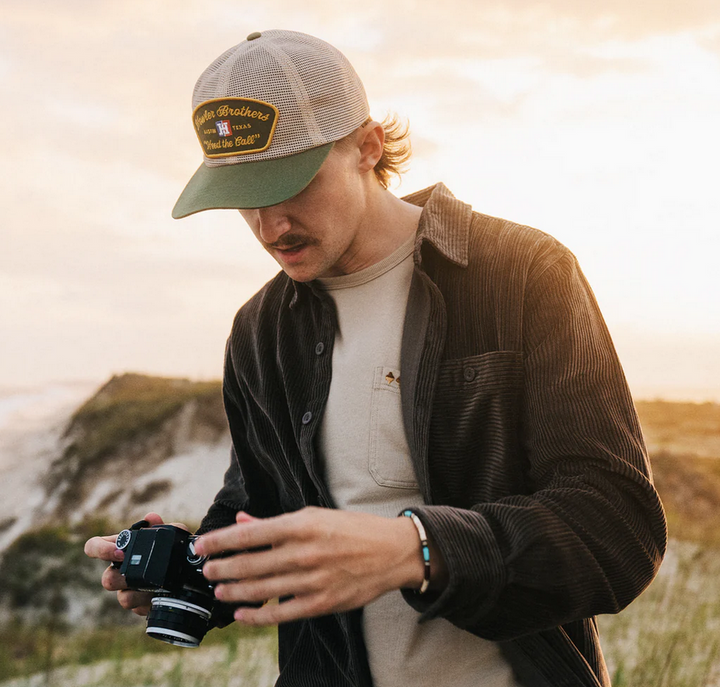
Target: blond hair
(396,149)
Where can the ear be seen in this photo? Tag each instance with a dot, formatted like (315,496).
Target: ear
(371,139)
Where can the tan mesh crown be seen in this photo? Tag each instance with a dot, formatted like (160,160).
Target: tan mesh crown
(316,91)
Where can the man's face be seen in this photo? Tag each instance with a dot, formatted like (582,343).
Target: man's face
(317,233)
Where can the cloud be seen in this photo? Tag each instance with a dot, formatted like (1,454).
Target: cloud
(525,106)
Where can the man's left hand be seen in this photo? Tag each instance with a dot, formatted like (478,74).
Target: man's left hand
(326,560)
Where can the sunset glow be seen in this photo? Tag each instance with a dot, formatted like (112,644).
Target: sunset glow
(595,123)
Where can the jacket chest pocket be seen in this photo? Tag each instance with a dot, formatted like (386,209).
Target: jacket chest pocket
(388,453)
(475,443)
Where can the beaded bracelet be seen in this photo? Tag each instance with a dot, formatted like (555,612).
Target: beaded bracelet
(424,549)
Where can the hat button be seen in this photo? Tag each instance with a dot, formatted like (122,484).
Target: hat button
(254,35)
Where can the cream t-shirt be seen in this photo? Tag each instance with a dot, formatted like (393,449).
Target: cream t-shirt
(368,468)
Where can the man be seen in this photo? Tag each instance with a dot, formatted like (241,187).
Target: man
(412,358)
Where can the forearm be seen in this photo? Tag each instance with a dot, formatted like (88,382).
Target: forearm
(528,563)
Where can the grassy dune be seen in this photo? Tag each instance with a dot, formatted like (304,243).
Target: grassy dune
(669,637)
(124,657)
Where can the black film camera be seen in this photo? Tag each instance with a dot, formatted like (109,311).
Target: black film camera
(161,559)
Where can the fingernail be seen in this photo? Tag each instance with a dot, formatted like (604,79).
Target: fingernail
(118,555)
(219,592)
(239,615)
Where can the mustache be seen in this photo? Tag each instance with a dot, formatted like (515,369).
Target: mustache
(292,241)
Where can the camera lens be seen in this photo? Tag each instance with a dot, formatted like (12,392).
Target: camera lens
(180,621)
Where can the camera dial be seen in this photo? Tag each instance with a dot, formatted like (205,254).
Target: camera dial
(193,557)
(123,539)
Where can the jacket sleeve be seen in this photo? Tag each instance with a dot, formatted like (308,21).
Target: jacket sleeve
(589,533)
(246,485)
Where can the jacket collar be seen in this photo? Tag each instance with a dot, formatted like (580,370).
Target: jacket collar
(445,223)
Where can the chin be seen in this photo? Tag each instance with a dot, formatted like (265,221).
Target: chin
(299,274)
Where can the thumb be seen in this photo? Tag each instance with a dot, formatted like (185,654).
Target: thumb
(242,517)
(153,518)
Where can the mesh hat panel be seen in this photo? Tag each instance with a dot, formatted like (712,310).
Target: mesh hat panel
(319,96)
(316,98)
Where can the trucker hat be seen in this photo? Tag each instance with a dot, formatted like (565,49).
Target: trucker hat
(267,113)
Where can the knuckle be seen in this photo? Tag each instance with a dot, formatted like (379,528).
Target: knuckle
(269,615)
(319,580)
(125,599)
(311,557)
(109,580)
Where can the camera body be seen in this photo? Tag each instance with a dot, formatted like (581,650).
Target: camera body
(161,559)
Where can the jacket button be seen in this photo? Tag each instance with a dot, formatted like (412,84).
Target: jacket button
(469,374)
(307,417)
(319,348)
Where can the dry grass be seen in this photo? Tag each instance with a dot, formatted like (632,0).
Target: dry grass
(681,428)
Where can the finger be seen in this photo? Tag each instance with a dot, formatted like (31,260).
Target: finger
(112,580)
(268,588)
(181,525)
(103,548)
(154,519)
(274,614)
(252,534)
(242,516)
(141,610)
(131,600)
(247,565)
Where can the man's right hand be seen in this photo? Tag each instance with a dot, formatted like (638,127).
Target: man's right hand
(104,549)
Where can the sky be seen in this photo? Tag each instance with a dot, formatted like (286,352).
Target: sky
(594,122)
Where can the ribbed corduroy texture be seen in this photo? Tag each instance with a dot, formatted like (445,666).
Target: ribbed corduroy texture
(523,435)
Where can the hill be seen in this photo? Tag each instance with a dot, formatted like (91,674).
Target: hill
(683,440)
(147,443)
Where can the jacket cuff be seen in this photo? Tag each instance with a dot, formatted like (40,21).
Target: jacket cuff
(474,562)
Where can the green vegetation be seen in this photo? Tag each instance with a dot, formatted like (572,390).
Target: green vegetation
(23,650)
(40,575)
(127,416)
(684,444)
(43,574)
(669,636)
(690,491)
(681,428)
(131,406)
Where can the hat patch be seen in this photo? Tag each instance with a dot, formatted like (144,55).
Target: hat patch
(234,126)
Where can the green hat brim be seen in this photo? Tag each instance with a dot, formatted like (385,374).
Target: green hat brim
(247,185)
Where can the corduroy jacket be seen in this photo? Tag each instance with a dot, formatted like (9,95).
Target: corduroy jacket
(523,436)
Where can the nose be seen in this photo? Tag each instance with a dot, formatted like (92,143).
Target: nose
(271,223)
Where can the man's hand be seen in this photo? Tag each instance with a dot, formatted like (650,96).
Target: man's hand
(104,548)
(327,560)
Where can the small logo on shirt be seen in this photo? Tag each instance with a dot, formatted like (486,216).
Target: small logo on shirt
(390,378)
